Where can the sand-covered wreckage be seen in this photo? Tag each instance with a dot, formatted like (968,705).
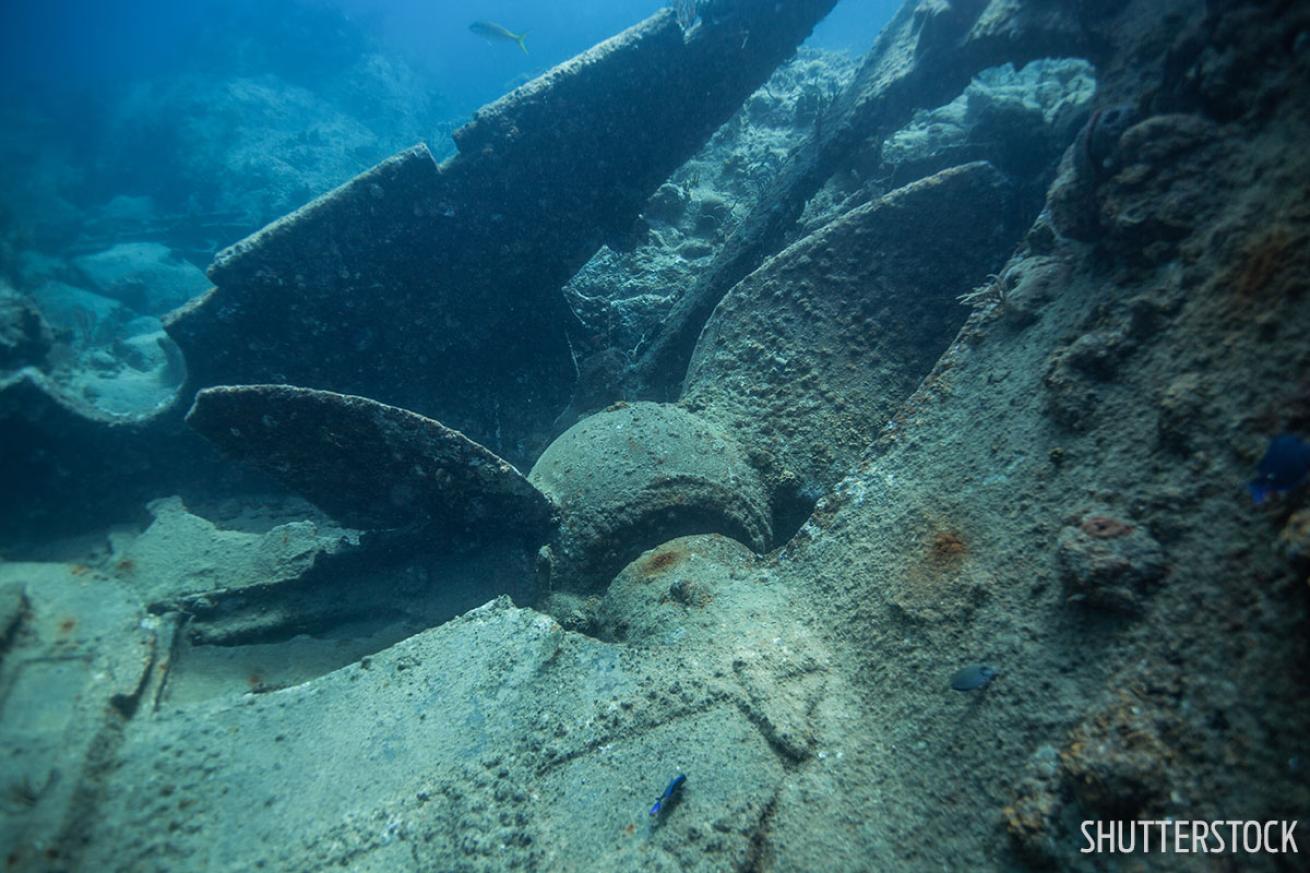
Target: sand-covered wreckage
(831,486)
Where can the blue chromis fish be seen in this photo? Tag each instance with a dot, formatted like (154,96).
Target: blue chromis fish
(973,676)
(670,795)
(492,30)
(1285,466)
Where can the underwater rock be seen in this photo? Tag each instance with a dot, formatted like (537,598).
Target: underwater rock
(1031,817)
(104,361)
(147,277)
(1096,353)
(25,337)
(1109,564)
(370,465)
(248,148)
(622,296)
(667,204)
(1136,192)
(84,317)
(136,376)
(1153,201)
(637,475)
(712,214)
(275,108)
(1182,406)
(1018,120)
(810,356)
(1117,762)
(1242,64)
(1074,373)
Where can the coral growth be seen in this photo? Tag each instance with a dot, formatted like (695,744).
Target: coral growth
(1103,527)
(1109,563)
(1117,760)
(1114,764)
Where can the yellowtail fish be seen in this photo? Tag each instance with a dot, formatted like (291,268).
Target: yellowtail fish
(492,30)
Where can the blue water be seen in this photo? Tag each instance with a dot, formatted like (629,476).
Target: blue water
(53,49)
(161,99)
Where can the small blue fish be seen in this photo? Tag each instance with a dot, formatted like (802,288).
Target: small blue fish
(1285,466)
(670,794)
(973,676)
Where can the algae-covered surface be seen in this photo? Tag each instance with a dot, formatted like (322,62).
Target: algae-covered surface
(729,454)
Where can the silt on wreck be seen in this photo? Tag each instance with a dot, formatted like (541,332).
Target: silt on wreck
(988,414)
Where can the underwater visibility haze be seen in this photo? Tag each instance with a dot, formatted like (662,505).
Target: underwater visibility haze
(709,435)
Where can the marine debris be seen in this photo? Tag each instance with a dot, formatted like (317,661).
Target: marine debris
(368,464)
(907,69)
(811,355)
(1058,486)
(408,284)
(630,478)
